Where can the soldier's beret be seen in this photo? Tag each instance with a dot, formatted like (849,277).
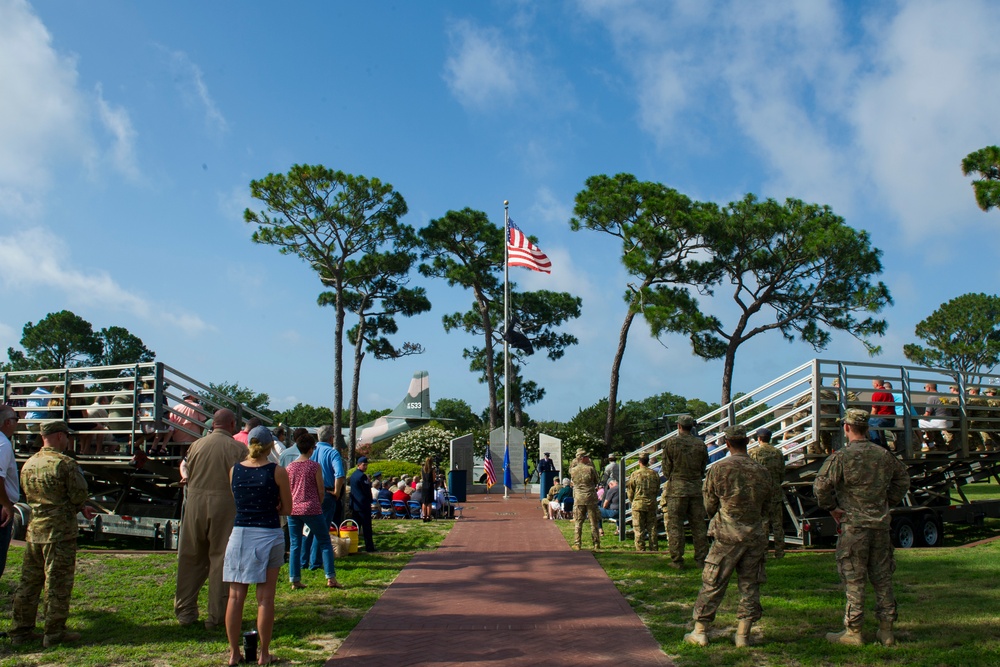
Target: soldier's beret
(856,417)
(58,426)
(581,452)
(734,432)
(687,421)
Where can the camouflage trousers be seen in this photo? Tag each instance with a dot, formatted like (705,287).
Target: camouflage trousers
(821,445)
(691,508)
(866,553)
(746,558)
(644,528)
(774,522)
(52,567)
(580,512)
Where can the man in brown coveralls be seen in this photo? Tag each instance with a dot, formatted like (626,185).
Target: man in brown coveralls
(858,485)
(685,458)
(773,459)
(206,521)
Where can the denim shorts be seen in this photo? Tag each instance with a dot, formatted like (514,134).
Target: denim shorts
(251,552)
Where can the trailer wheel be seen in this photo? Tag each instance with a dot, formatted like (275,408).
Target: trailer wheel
(18,531)
(903,535)
(931,532)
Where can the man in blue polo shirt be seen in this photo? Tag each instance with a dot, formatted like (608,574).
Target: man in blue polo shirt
(331,463)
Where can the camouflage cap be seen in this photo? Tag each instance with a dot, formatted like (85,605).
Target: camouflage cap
(581,452)
(856,417)
(687,421)
(58,426)
(734,432)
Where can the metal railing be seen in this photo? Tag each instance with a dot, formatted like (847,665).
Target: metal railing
(121,405)
(803,408)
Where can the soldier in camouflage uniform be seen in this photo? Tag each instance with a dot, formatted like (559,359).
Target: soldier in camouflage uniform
(820,444)
(836,436)
(54,487)
(585,480)
(773,459)
(664,501)
(685,458)
(642,488)
(737,493)
(977,406)
(992,436)
(549,498)
(858,485)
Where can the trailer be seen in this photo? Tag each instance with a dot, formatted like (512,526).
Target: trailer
(802,408)
(115,412)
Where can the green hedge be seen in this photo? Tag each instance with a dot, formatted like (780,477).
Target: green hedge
(390,469)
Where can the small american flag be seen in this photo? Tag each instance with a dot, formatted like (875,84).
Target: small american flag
(491,474)
(522,252)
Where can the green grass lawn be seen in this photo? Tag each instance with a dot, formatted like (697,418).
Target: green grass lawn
(948,601)
(982,491)
(123,606)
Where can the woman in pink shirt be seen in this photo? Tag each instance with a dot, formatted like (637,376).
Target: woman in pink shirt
(306,479)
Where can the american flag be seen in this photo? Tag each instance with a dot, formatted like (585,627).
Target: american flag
(491,474)
(522,252)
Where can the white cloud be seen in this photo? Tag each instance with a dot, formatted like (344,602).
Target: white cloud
(550,210)
(22,267)
(42,117)
(930,98)
(483,70)
(116,121)
(882,107)
(191,84)
(8,337)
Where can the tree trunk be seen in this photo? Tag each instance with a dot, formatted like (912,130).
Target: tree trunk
(338,364)
(727,370)
(609,424)
(359,355)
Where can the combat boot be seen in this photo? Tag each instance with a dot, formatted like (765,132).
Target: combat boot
(884,634)
(21,639)
(743,634)
(699,635)
(65,638)
(849,636)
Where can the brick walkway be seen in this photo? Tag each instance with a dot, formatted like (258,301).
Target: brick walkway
(503,589)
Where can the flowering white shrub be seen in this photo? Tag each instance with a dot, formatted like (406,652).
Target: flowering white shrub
(416,445)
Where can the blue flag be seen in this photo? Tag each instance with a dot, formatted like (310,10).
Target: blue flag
(526,464)
(506,467)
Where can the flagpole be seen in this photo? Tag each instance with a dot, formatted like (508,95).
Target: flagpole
(506,350)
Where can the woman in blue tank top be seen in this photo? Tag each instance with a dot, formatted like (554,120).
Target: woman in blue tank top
(256,549)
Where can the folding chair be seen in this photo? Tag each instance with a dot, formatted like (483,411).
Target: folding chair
(414,508)
(385,509)
(455,506)
(399,510)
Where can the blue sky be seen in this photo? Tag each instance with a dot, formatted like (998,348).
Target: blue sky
(129,133)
